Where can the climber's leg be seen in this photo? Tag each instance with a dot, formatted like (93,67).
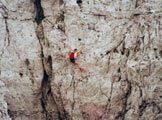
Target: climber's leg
(76,62)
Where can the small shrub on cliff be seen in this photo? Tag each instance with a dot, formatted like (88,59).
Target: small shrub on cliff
(60,18)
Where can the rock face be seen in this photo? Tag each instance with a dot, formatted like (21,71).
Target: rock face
(121,57)
(3,105)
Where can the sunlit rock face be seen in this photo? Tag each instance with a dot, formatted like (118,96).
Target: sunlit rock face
(121,58)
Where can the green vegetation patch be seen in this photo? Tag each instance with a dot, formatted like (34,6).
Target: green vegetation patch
(60,18)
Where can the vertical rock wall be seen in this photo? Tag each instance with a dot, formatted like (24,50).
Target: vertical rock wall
(3,105)
(122,58)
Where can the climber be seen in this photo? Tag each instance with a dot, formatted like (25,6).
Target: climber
(73,57)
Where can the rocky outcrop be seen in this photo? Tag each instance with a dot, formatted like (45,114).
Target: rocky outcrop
(3,104)
(122,58)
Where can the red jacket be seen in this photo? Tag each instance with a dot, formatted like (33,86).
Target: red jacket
(72,55)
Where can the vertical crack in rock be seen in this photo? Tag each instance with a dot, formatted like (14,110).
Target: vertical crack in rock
(5,16)
(45,89)
(51,103)
(47,97)
(142,107)
(74,88)
(64,114)
(40,14)
(7,30)
(122,113)
(123,49)
(108,105)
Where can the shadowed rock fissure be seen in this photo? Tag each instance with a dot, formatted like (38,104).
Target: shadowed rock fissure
(108,105)
(48,100)
(45,89)
(5,16)
(39,14)
(8,32)
(142,107)
(146,104)
(122,113)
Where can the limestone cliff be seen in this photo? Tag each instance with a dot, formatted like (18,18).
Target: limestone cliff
(122,58)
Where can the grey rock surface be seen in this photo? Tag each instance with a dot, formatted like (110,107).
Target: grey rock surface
(3,104)
(121,58)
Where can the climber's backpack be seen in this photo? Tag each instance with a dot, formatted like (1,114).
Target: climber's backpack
(71,55)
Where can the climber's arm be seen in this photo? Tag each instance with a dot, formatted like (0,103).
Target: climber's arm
(80,50)
(70,50)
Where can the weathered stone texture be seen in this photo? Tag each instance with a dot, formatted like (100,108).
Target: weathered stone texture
(122,56)
(3,104)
